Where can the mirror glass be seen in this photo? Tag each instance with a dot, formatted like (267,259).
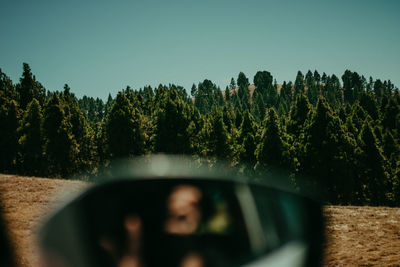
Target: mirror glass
(180,222)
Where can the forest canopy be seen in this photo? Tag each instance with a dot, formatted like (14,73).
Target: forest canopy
(340,133)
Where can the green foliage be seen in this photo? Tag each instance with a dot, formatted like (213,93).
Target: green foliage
(368,103)
(219,140)
(390,114)
(247,139)
(343,139)
(8,135)
(31,139)
(60,146)
(372,167)
(175,125)
(299,84)
(328,156)
(123,129)
(272,150)
(29,88)
(298,115)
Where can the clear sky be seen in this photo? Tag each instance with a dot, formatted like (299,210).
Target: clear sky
(99,47)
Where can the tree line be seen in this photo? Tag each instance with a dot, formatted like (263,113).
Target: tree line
(340,134)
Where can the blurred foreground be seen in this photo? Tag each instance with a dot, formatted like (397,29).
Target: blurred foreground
(355,235)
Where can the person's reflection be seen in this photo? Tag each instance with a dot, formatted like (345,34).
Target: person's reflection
(183,211)
(131,253)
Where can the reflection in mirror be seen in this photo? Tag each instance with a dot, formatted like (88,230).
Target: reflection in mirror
(183,210)
(179,222)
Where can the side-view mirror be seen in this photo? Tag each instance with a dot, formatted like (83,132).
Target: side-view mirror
(174,218)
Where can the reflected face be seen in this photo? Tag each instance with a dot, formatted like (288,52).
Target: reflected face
(183,211)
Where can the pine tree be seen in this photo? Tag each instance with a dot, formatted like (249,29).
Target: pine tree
(26,87)
(271,151)
(123,128)
(31,140)
(372,169)
(263,82)
(299,84)
(193,91)
(358,116)
(243,91)
(61,148)
(317,77)
(7,89)
(378,89)
(298,115)
(232,85)
(173,126)
(8,135)
(238,119)
(348,87)
(328,157)
(368,103)
(227,95)
(227,118)
(391,151)
(219,142)
(237,103)
(390,115)
(29,88)
(9,114)
(247,140)
(258,106)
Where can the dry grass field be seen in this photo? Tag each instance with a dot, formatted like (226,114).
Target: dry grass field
(356,236)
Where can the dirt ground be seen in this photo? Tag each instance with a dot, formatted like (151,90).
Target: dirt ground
(356,236)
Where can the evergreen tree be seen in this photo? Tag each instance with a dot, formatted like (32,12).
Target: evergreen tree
(323,78)
(243,91)
(8,124)
(247,140)
(232,84)
(173,126)
(31,140)
(8,135)
(298,115)
(372,167)
(263,82)
(390,114)
(7,89)
(378,89)
(317,77)
(391,150)
(358,116)
(29,88)
(368,103)
(124,132)
(258,106)
(238,119)
(299,84)
(227,95)
(61,148)
(348,87)
(328,157)
(193,91)
(242,81)
(271,151)
(312,88)
(227,118)
(219,142)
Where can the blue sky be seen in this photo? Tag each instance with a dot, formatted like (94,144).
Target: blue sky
(99,47)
